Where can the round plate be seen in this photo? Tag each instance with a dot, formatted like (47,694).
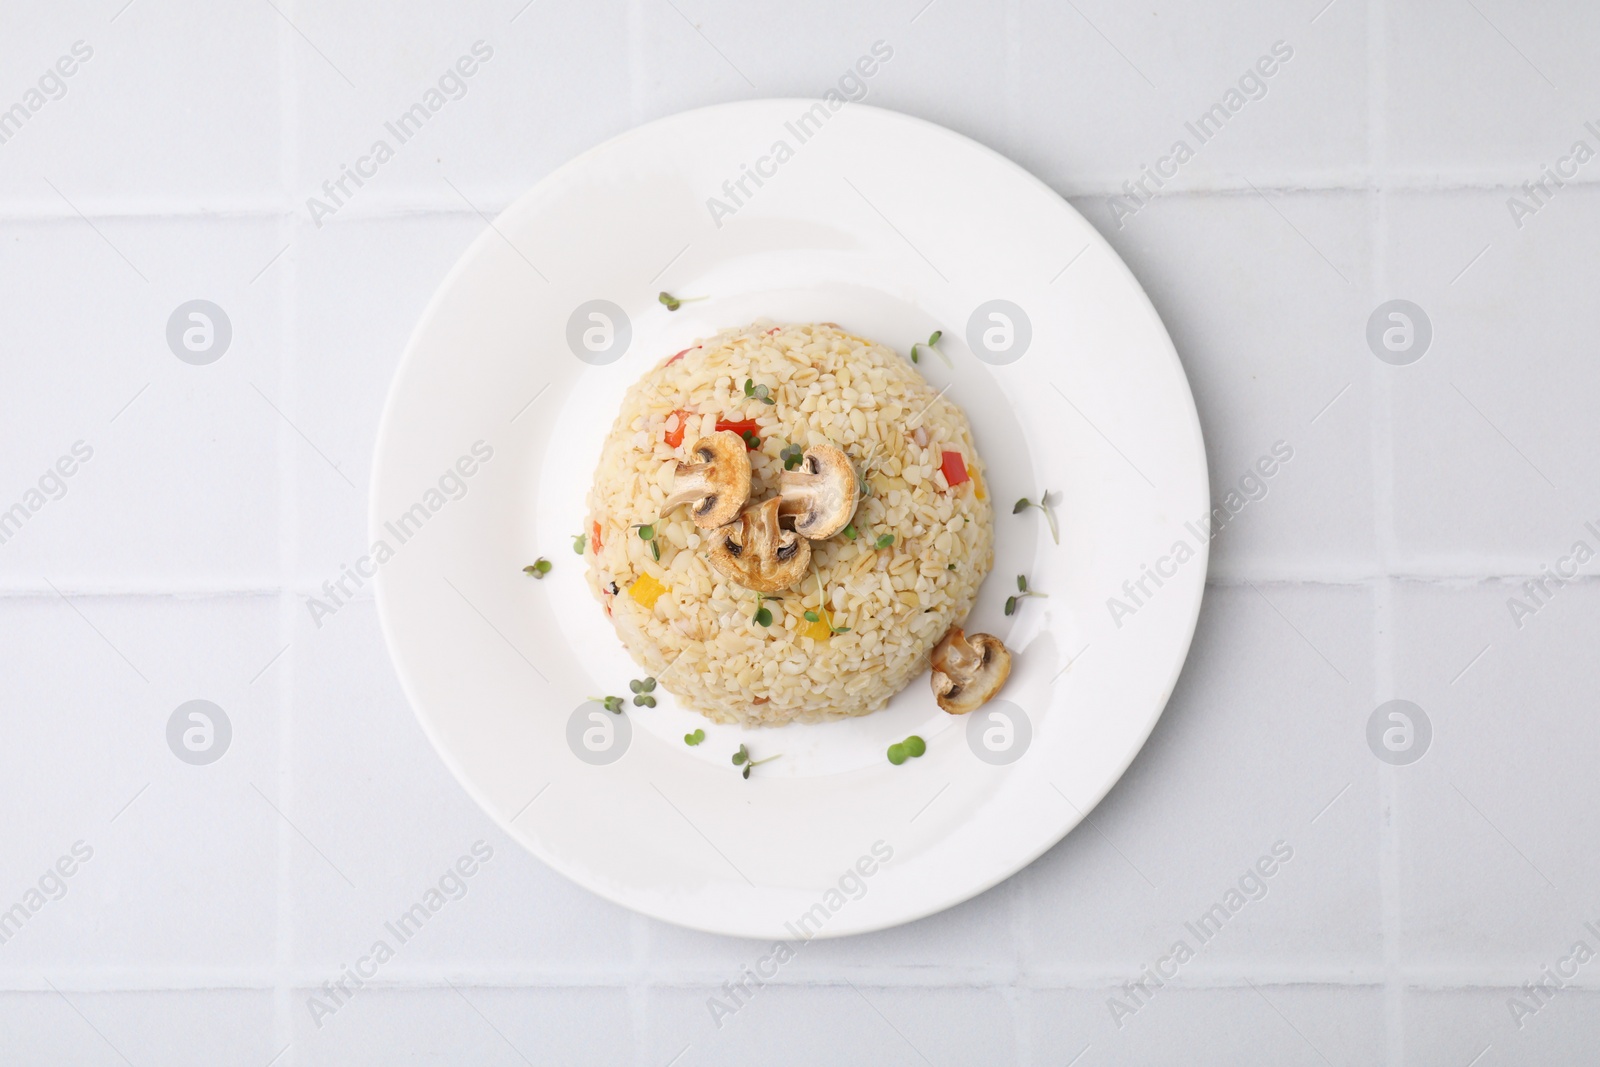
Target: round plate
(795,211)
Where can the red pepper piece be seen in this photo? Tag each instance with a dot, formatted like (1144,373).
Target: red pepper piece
(746,428)
(954,468)
(674,438)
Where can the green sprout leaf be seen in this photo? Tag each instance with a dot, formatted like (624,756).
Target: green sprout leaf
(742,757)
(611,704)
(883,541)
(915,746)
(792,456)
(695,738)
(897,754)
(577,543)
(749,387)
(763,616)
(1045,505)
(538,568)
(646,531)
(850,531)
(949,566)
(644,700)
(1022,592)
(812,616)
(933,343)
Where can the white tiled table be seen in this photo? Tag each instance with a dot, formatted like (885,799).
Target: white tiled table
(1378,164)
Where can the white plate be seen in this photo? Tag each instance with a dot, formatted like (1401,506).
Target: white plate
(893,228)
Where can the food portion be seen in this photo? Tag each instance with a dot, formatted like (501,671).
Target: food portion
(784,523)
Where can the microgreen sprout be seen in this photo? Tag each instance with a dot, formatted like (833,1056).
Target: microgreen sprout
(1046,505)
(695,738)
(758,392)
(538,568)
(933,343)
(850,531)
(673,303)
(647,532)
(642,688)
(763,614)
(611,704)
(864,468)
(883,541)
(1022,591)
(825,616)
(750,438)
(742,758)
(792,456)
(910,748)
(949,566)
(577,543)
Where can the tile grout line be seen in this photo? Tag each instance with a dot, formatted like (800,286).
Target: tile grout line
(1501,978)
(1382,448)
(1097,187)
(285,281)
(1016,998)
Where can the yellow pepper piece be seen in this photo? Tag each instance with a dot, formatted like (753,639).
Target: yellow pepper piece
(977,485)
(646,591)
(817,631)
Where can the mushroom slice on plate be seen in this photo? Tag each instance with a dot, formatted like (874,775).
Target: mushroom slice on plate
(821,495)
(968,671)
(716,483)
(757,553)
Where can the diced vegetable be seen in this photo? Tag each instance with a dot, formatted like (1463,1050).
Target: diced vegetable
(675,358)
(674,437)
(646,591)
(817,631)
(594,538)
(977,486)
(745,428)
(954,468)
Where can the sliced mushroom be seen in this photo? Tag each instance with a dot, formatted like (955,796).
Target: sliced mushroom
(716,484)
(968,671)
(757,553)
(821,494)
